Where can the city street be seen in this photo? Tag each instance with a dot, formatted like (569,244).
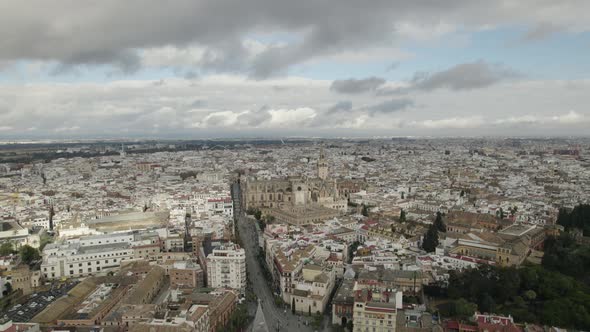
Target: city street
(277,319)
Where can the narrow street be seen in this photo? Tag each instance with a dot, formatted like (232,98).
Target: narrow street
(277,319)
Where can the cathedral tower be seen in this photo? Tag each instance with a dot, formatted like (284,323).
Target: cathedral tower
(322,165)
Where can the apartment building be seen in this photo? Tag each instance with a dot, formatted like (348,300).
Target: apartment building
(226,267)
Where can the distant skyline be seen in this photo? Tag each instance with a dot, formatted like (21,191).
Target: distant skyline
(267,68)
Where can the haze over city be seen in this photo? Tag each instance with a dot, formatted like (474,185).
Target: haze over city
(293,68)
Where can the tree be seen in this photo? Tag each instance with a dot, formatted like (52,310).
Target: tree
(578,218)
(462,307)
(317,321)
(487,303)
(51,215)
(403,195)
(238,319)
(293,306)
(365,211)
(258,214)
(402,216)
(309,310)
(430,241)
(45,239)
(6,249)
(29,254)
(530,295)
(7,289)
(564,255)
(439,224)
(349,325)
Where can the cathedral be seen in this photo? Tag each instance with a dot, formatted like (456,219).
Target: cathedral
(298,200)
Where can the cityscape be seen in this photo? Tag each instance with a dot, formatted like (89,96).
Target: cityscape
(402,234)
(294,165)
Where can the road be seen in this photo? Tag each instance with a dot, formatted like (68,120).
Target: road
(277,319)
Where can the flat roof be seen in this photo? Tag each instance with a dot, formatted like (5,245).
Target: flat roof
(517,229)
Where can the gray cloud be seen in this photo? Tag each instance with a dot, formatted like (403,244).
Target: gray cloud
(255,118)
(198,103)
(190,75)
(354,86)
(465,76)
(344,105)
(390,106)
(74,33)
(215,120)
(393,66)
(541,31)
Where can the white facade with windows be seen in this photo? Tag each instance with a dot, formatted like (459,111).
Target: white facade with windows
(226,268)
(74,261)
(374,317)
(91,254)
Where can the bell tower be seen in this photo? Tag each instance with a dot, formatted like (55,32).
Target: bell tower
(322,165)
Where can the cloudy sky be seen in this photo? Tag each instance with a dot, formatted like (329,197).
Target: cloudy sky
(244,68)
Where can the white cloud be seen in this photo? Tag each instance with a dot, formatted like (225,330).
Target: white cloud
(571,117)
(564,119)
(238,105)
(67,129)
(452,123)
(290,117)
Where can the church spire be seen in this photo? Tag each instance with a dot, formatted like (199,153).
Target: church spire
(322,165)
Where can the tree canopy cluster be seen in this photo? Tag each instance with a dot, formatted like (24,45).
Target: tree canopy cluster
(430,241)
(564,255)
(578,218)
(530,294)
(29,254)
(6,248)
(238,319)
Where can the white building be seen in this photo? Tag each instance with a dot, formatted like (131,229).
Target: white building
(41,222)
(72,260)
(226,268)
(12,231)
(91,254)
(220,206)
(376,312)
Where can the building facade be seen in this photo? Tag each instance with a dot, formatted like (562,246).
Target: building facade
(226,268)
